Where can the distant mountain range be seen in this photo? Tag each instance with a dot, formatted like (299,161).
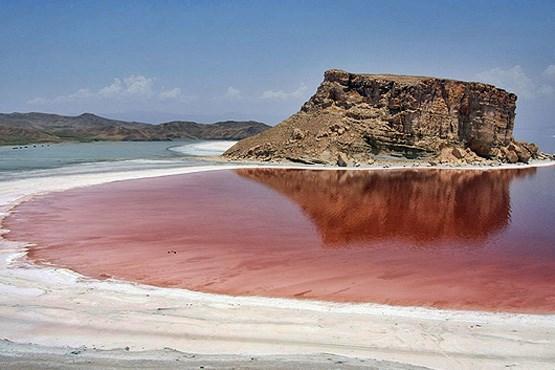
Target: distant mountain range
(25,128)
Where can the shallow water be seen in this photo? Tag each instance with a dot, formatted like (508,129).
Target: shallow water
(47,156)
(440,238)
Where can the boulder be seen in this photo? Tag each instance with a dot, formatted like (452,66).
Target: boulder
(458,153)
(342,160)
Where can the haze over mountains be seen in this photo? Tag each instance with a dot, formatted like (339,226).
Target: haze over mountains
(24,128)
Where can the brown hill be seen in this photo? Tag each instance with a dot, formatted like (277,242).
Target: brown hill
(23,128)
(356,118)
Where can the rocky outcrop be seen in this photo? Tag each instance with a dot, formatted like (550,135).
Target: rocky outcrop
(358,118)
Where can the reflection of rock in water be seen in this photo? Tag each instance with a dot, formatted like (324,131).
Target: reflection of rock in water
(415,205)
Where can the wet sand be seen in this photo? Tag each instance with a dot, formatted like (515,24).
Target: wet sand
(434,238)
(54,307)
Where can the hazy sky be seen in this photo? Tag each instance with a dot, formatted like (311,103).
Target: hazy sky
(209,60)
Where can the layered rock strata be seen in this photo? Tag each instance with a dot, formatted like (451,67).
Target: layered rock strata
(358,118)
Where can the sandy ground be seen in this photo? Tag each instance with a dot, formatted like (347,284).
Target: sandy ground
(55,309)
(28,356)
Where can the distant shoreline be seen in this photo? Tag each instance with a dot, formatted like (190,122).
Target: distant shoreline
(20,129)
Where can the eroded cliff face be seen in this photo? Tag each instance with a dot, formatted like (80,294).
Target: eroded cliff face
(353,118)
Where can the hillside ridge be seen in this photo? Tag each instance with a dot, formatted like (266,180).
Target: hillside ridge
(35,127)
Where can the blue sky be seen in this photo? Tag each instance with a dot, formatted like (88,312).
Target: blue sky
(208,60)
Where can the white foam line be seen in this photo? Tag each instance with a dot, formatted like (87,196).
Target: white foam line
(207,148)
(407,166)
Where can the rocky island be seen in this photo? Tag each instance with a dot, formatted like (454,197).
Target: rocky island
(356,119)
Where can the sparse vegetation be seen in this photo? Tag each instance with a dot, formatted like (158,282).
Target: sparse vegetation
(26,128)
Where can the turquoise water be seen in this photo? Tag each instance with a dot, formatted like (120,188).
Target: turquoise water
(48,156)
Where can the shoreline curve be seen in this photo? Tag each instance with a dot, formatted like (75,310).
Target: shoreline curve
(304,326)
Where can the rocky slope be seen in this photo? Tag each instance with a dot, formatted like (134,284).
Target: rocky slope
(356,118)
(23,128)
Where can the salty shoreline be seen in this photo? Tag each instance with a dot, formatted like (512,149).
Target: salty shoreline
(55,307)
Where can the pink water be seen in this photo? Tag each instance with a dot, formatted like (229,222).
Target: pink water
(481,240)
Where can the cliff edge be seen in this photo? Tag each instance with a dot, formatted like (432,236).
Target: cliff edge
(355,119)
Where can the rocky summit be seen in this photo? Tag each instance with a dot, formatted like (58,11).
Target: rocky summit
(356,119)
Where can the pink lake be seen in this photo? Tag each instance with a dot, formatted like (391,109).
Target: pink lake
(479,240)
